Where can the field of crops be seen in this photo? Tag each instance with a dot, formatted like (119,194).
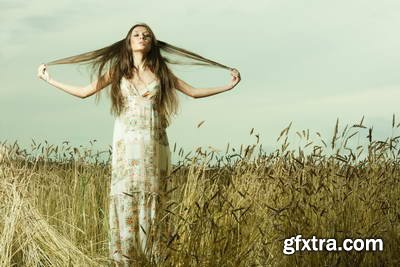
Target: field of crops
(236,211)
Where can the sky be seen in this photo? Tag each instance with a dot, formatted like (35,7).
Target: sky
(307,63)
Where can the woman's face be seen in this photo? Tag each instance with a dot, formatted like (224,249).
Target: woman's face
(140,39)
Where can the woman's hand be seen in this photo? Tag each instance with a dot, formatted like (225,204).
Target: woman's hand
(235,78)
(43,73)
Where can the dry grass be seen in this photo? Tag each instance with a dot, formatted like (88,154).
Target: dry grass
(234,212)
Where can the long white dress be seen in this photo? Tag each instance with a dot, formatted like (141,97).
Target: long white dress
(141,160)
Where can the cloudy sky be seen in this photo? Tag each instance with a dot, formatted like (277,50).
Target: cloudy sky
(306,62)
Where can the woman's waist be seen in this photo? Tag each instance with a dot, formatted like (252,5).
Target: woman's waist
(144,100)
(139,119)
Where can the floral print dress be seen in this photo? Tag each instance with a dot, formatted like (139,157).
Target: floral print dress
(141,160)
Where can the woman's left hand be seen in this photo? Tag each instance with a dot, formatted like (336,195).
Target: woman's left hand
(235,78)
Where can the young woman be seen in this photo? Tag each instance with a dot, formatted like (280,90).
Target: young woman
(143,94)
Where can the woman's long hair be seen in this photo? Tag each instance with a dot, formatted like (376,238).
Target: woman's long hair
(118,59)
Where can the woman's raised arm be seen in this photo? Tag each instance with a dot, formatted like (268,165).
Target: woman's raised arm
(78,91)
(204,92)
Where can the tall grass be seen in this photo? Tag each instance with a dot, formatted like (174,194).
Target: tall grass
(234,212)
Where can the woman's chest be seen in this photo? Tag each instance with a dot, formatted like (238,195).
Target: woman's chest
(148,91)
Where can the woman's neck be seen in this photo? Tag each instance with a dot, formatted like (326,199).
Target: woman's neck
(139,59)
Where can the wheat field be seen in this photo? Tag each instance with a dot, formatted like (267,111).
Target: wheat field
(230,208)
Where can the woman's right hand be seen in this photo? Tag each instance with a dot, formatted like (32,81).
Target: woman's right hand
(43,73)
